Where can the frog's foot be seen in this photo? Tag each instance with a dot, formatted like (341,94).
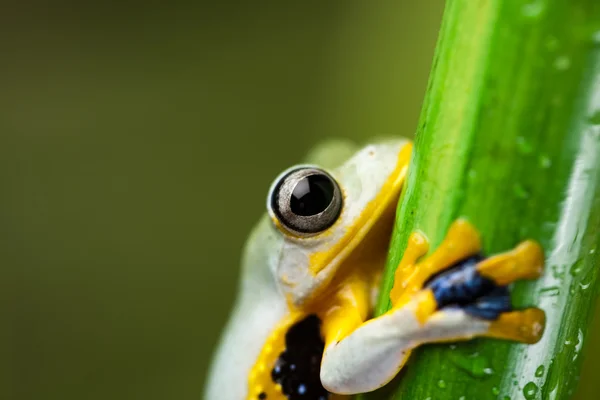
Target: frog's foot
(456,276)
(475,291)
(461,242)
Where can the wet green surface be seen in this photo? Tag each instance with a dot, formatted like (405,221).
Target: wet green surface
(509,139)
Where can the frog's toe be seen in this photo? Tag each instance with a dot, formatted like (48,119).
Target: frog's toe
(461,242)
(526,261)
(463,287)
(525,326)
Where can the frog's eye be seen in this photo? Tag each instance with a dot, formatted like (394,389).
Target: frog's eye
(306,200)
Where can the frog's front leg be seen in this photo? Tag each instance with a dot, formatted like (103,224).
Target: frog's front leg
(452,295)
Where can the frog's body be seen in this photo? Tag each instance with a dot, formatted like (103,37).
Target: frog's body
(310,275)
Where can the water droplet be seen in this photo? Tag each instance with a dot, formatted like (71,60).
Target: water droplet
(474,364)
(576,267)
(523,146)
(578,344)
(562,63)
(539,372)
(551,291)
(545,161)
(520,191)
(592,251)
(530,390)
(506,398)
(495,391)
(596,37)
(462,398)
(585,286)
(533,9)
(441,384)
(515,383)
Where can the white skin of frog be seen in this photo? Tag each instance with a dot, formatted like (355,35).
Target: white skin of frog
(258,309)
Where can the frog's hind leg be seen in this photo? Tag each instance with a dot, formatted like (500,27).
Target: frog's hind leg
(476,292)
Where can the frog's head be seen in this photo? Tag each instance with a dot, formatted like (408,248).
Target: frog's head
(327,221)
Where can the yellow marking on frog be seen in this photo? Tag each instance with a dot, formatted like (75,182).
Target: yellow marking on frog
(461,241)
(259,379)
(347,309)
(524,262)
(417,246)
(426,306)
(355,233)
(526,326)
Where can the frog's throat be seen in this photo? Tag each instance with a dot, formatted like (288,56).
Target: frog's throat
(369,217)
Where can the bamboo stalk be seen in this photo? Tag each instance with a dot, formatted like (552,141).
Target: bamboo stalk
(509,137)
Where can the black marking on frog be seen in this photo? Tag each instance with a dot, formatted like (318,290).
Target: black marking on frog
(462,286)
(298,366)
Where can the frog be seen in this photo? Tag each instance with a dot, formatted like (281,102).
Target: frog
(302,326)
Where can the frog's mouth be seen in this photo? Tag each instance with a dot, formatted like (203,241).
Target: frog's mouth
(370,232)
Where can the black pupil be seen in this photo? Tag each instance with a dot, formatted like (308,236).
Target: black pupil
(312,195)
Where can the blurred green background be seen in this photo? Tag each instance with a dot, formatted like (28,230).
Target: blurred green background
(137,145)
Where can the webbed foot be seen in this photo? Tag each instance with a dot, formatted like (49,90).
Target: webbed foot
(457,285)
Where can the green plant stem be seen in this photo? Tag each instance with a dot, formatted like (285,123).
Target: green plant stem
(509,138)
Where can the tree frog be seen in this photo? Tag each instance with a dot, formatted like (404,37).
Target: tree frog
(300,328)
